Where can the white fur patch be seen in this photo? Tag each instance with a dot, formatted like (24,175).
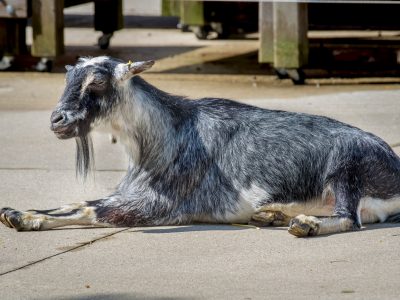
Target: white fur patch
(371,210)
(247,205)
(92,61)
(121,72)
(88,80)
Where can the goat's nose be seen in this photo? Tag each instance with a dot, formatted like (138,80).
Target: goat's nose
(56,117)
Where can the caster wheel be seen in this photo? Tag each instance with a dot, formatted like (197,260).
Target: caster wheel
(281,73)
(201,32)
(44,65)
(296,75)
(221,30)
(104,41)
(6,63)
(183,27)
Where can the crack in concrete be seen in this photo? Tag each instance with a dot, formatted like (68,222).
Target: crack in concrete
(82,245)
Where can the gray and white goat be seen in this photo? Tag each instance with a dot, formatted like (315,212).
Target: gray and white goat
(217,161)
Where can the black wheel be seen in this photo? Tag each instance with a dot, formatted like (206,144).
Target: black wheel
(281,73)
(201,32)
(104,41)
(44,65)
(221,29)
(297,76)
(6,62)
(183,27)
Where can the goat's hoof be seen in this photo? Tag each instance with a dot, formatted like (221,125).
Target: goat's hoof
(11,218)
(302,226)
(269,218)
(262,219)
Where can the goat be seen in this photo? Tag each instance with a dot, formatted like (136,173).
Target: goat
(216,161)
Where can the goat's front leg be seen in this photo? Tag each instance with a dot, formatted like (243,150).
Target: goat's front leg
(82,213)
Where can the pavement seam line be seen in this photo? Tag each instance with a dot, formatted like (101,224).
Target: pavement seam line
(84,244)
(395,145)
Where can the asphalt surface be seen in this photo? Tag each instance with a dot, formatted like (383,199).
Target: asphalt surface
(187,262)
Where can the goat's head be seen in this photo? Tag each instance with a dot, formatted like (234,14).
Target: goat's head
(91,93)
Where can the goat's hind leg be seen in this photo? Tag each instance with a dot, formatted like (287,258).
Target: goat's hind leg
(344,218)
(82,213)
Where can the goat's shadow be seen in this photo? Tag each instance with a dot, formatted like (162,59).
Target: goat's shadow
(222,228)
(179,229)
(203,227)
(120,296)
(367,227)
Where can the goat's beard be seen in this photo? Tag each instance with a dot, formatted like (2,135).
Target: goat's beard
(84,156)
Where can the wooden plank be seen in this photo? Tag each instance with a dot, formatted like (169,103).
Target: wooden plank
(171,8)
(290,35)
(3,38)
(192,13)
(19,9)
(265,21)
(12,36)
(48,28)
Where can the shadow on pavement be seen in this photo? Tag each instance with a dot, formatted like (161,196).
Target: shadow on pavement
(205,227)
(367,227)
(119,296)
(130,21)
(221,227)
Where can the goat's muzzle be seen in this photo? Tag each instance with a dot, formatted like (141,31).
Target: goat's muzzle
(61,127)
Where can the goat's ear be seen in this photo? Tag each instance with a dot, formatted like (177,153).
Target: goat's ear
(68,67)
(126,71)
(140,66)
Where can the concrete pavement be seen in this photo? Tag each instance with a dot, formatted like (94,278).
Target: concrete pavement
(188,262)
